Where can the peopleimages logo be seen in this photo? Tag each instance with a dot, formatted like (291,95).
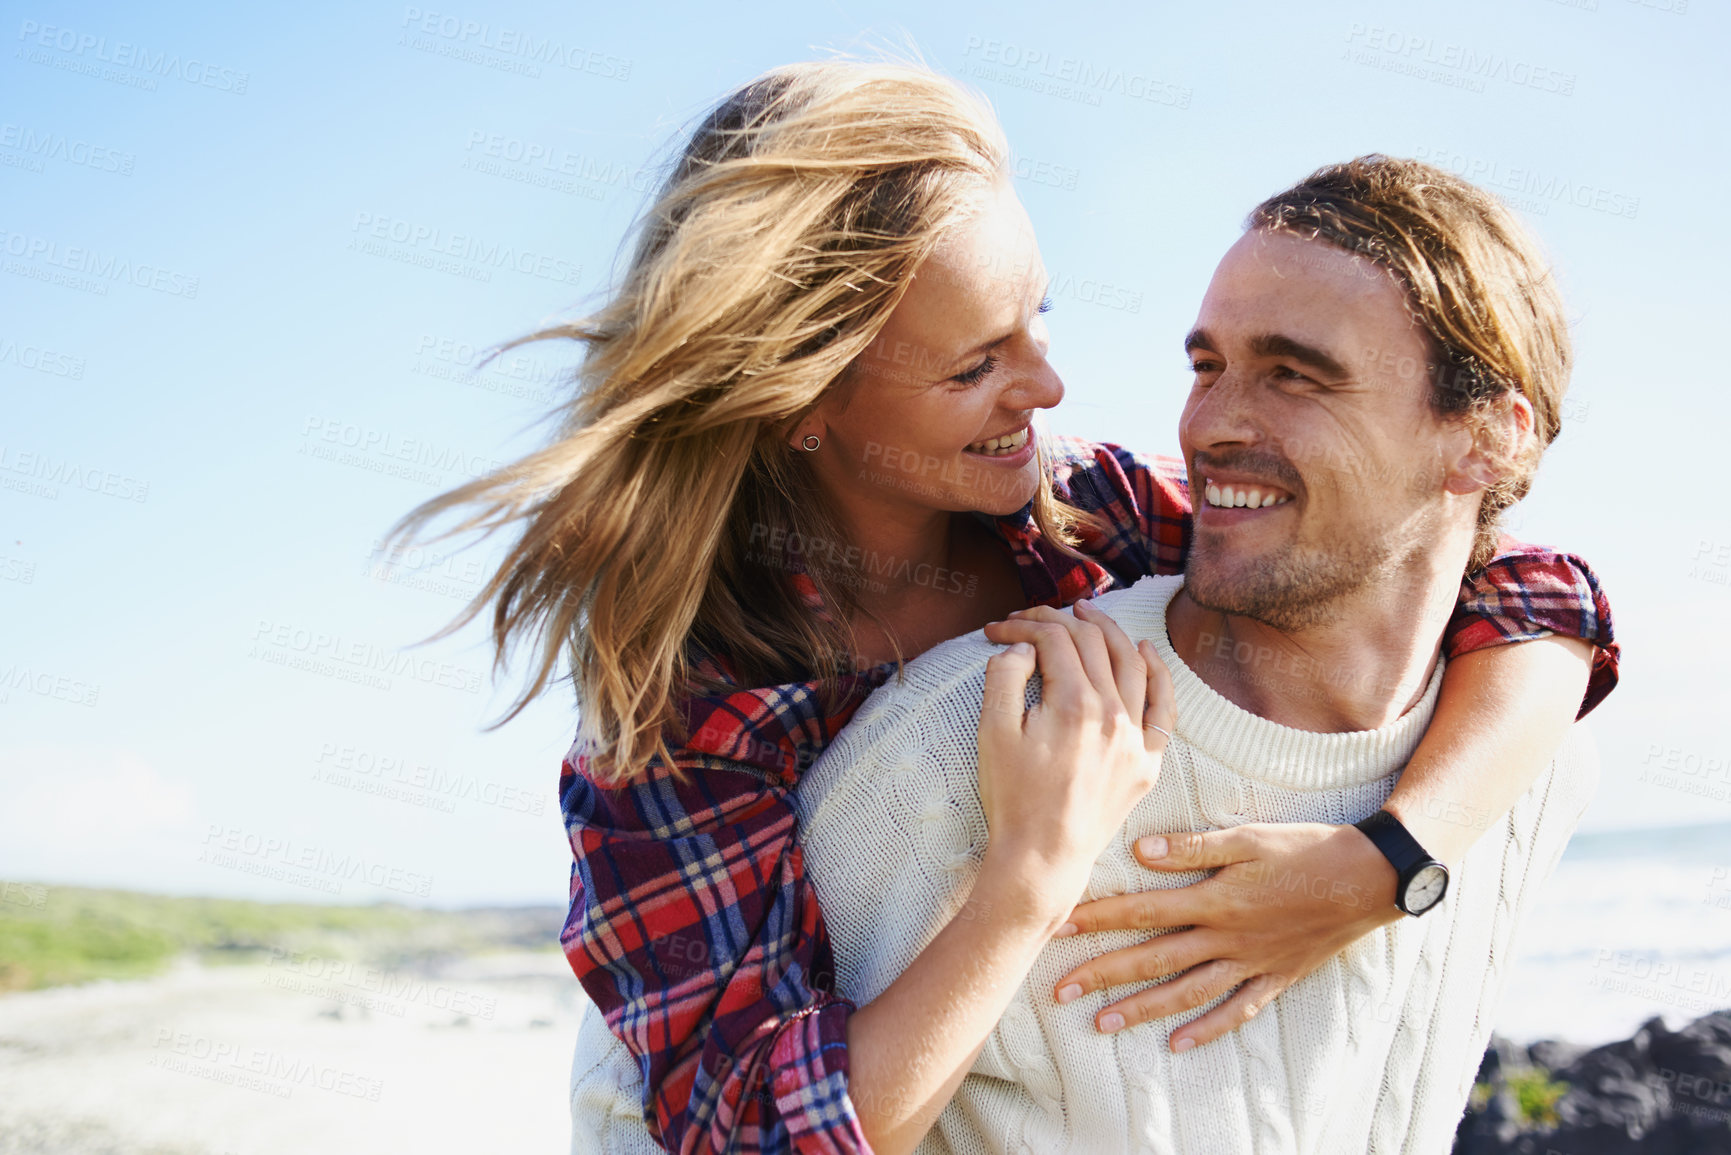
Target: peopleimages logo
(1539,187)
(352,660)
(41,146)
(82,51)
(88,262)
(327,438)
(40,359)
(463,39)
(362,769)
(47,471)
(1067,77)
(47,684)
(227,845)
(1461,65)
(256,1068)
(422,244)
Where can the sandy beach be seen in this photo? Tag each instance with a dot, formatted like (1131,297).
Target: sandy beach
(293,1055)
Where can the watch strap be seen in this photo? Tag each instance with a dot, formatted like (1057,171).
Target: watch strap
(1390,836)
(1395,841)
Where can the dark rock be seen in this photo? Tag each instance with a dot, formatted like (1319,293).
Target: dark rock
(1659,1092)
(1554,1056)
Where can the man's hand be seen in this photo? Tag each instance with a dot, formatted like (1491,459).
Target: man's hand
(1285,899)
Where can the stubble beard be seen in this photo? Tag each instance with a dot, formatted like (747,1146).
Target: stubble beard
(1292,590)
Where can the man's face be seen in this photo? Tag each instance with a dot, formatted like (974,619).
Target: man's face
(1311,401)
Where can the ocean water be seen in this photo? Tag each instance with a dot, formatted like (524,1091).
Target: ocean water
(1631,924)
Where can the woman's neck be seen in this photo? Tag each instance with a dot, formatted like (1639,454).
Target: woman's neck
(919,577)
(897,562)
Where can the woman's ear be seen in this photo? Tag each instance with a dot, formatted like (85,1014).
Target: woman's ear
(1498,440)
(832,403)
(811,425)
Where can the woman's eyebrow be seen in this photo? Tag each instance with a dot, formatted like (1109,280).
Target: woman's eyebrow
(982,347)
(991,343)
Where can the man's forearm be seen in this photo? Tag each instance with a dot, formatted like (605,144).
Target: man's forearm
(1502,714)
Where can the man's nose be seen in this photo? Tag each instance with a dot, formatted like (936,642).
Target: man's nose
(1223,414)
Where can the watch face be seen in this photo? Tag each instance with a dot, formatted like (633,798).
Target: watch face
(1426,888)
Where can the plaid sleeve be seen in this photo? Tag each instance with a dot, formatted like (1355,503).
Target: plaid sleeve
(695,931)
(1140,505)
(1528,592)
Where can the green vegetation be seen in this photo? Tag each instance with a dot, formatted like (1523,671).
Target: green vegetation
(51,935)
(1537,1094)
(1534,1091)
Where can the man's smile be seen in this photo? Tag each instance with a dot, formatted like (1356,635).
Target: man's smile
(1222,494)
(1244,496)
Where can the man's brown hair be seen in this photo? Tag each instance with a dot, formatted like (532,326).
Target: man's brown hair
(1477,283)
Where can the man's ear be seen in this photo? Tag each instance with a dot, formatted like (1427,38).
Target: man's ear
(1497,439)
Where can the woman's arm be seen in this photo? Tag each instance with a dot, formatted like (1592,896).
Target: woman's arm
(1503,711)
(695,931)
(910,1047)
(1054,782)
(687,893)
(1139,519)
(1502,714)
(1140,522)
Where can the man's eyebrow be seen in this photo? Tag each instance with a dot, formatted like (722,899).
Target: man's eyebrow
(1274,345)
(1280,345)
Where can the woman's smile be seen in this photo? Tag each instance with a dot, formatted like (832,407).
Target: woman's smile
(1015,448)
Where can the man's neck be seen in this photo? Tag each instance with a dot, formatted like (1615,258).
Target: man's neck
(1360,670)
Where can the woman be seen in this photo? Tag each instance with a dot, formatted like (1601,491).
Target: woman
(793,462)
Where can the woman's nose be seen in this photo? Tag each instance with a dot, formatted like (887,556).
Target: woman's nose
(1039,387)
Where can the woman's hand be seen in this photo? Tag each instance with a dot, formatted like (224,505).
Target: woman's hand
(1285,899)
(1057,781)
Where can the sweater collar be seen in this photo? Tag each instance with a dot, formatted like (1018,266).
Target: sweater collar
(1267,751)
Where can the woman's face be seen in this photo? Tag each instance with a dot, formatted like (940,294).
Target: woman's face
(936,413)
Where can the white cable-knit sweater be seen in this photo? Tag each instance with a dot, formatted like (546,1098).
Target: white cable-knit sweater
(1375,1051)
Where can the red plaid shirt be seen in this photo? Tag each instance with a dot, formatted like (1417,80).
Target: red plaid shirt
(693,926)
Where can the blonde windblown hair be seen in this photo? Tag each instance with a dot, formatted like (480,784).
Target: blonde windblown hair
(769,260)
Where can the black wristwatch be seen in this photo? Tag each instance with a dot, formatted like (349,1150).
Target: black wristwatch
(1422,880)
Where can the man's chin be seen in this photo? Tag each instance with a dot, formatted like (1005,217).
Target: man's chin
(1216,574)
(1269,590)
(1213,589)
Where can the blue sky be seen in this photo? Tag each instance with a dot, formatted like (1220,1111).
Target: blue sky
(246,254)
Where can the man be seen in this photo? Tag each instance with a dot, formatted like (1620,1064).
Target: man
(1380,360)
